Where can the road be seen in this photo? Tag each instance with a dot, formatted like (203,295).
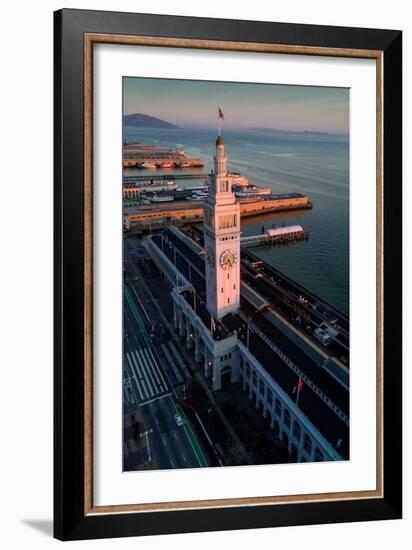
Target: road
(148,387)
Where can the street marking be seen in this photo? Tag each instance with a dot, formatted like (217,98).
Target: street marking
(139,377)
(151,368)
(142,363)
(151,401)
(158,368)
(154,373)
(134,375)
(191,437)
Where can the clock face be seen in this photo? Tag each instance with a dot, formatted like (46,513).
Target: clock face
(210,257)
(228,259)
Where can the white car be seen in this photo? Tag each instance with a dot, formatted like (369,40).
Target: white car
(178,420)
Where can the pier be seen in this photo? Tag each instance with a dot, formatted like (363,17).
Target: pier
(149,217)
(167,176)
(276,346)
(279,235)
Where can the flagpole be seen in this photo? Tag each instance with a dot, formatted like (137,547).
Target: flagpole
(298,390)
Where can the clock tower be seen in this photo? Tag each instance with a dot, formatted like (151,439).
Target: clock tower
(222,239)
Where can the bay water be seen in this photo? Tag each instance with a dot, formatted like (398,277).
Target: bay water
(314,164)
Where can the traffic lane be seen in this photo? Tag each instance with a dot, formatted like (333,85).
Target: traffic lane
(172,438)
(163,452)
(132,328)
(189,455)
(177,437)
(171,442)
(132,396)
(136,336)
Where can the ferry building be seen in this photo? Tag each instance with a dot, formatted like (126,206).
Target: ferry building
(238,337)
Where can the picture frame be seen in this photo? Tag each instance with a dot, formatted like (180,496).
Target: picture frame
(76,32)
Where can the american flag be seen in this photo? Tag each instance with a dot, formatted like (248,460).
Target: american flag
(221,115)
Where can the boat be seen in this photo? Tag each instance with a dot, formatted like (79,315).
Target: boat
(166,165)
(156,187)
(197,188)
(252,191)
(238,180)
(161,198)
(147,165)
(197,198)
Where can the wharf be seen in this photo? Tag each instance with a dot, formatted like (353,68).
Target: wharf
(325,400)
(160,215)
(280,235)
(137,179)
(294,300)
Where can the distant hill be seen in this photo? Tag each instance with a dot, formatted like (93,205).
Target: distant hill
(138,120)
(280,131)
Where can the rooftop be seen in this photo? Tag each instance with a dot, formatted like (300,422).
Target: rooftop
(175,246)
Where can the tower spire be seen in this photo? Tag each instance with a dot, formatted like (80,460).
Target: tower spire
(222,238)
(220,117)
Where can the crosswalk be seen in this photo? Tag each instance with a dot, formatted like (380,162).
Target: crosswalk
(145,375)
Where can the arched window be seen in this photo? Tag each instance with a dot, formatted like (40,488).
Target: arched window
(287,418)
(296,430)
(307,444)
(318,455)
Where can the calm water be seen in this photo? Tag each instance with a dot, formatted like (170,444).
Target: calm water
(317,165)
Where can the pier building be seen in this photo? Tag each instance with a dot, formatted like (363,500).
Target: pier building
(299,388)
(153,216)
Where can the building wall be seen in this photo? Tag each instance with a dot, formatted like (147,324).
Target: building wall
(186,215)
(221,237)
(289,424)
(301,437)
(250,208)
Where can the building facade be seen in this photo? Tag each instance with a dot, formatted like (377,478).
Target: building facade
(222,239)
(221,354)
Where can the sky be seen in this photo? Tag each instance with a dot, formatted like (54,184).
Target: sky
(194,103)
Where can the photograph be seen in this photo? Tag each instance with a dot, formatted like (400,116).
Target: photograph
(236,336)
(227,274)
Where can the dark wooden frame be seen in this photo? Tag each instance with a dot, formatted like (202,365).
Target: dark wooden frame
(74,515)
